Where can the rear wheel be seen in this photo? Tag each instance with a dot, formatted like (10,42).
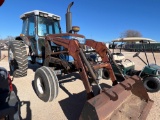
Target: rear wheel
(46,84)
(17,57)
(152,84)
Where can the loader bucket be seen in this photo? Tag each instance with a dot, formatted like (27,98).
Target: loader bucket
(127,100)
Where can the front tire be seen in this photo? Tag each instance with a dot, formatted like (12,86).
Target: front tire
(152,84)
(17,57)
(46,84)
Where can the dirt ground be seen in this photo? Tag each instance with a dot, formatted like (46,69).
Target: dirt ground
(71,97)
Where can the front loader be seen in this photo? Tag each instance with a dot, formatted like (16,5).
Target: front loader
(126,100)
(63,53)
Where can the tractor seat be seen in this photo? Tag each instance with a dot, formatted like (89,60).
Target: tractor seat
(128,63)
(119,58)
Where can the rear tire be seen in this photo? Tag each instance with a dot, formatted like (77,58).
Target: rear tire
(17,57)
(152,84)
(46,84)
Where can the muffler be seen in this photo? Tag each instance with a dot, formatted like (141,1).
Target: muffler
(124,101)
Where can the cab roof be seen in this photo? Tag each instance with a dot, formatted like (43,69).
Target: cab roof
(38,12)
(132,39)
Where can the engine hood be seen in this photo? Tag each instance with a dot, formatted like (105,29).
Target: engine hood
(71,36)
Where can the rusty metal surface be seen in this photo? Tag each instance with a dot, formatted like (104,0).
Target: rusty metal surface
(64,34)
(100,48)
(125,101)
(102,65)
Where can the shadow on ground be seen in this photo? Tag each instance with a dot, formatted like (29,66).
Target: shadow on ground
(68,77)
(22,103)
(73,105)
(34,67)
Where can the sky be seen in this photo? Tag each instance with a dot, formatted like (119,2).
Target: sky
(101,20)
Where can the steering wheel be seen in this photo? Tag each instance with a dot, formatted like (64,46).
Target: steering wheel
(136,54)
(128,60)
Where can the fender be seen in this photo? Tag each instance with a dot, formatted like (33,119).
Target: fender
(26,39)
(29,41)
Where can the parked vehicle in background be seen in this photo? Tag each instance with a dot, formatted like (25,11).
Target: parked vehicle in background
(150,74)
(136,46)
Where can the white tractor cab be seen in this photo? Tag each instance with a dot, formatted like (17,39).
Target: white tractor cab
(150,74)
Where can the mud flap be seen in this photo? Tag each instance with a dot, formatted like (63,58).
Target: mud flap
(127,100)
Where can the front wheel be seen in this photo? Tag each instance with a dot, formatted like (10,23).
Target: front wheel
(152,84)
(46,84)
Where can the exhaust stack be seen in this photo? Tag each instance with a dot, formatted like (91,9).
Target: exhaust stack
(69,19)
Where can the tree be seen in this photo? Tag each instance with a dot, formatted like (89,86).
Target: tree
(9,38)
(131,33)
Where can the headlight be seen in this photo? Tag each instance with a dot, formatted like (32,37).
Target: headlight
(158,72)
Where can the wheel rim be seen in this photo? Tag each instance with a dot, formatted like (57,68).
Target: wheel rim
(11,59)
(40,86)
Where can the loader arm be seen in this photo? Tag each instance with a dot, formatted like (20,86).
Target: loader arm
(101,49)
(109,104)
(74,50)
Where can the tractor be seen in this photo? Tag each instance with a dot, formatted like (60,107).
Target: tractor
(63,53)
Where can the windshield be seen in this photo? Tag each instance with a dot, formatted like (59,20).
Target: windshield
(47,26)
(28,26)
(24,27)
